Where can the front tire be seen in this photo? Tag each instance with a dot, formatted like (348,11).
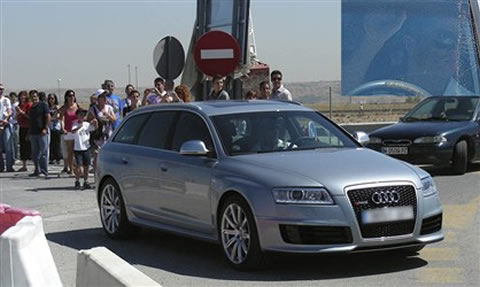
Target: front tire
(112,210)
(238,235)
(460,157)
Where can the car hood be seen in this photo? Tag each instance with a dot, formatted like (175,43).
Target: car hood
(412,130)
(335,168)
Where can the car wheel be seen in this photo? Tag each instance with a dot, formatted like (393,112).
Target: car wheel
(238,235)
(112,210)
(460,157)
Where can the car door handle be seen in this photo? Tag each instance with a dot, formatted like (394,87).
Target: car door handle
(163,167)
(124,160)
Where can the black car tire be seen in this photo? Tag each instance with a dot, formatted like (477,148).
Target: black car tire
(112,211)
(255,257)
(460,157)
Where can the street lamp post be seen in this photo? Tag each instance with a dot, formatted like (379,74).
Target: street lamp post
(58,86)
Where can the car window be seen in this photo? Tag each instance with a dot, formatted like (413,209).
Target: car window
(157,130)
(128,131)
(263,132)
(316,131)
(443,108)
(191,127)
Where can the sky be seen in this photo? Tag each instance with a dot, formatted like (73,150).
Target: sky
(84,42)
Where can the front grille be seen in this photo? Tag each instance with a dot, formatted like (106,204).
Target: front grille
(401,142)
(361,199)
(431,224)
(305,234)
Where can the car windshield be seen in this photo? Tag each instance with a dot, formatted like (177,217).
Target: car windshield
(409,47)
(443,109)
(264,132)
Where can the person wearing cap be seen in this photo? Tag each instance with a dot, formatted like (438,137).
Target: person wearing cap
(113,100)
(104,117)
(6,140)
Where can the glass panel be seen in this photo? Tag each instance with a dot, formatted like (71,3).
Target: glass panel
(157,130)
(444,109)
(221,14)
(408,47)
(278,131)
(191,127)
(128,131)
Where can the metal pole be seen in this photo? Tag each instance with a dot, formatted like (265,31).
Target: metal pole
(129,75)
(136,77)
(330,102)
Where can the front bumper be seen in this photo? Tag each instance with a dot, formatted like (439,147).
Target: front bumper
(421,153)
(339,217)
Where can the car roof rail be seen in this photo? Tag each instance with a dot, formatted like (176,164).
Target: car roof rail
(289,102)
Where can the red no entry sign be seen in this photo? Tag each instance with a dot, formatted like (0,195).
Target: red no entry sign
(216,52)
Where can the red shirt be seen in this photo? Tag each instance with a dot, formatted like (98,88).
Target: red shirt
(21,119)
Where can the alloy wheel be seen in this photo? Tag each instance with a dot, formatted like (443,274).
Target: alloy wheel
(110,209)
(235,233)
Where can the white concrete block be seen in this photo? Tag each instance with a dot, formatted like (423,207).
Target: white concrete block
(101,267)
(25,255)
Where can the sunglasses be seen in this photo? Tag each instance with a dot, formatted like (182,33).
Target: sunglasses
(276,79)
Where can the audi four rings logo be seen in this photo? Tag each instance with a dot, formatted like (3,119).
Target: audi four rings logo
(384,197)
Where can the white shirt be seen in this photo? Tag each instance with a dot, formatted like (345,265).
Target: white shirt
(5,107)
(281,94)
(82,136)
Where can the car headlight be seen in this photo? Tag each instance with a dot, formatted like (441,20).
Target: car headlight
(301,195)
(435,139)
(375,140)
(428,186)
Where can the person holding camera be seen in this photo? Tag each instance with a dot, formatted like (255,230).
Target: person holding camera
(157,95)
(105,118)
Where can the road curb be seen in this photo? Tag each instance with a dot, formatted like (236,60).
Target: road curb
(101,267)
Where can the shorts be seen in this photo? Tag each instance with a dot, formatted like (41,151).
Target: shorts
(82,157)
(68,137)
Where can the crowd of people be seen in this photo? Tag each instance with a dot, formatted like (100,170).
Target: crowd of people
(37,127)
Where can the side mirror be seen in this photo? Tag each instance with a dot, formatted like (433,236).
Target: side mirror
(194,148)
(361,137)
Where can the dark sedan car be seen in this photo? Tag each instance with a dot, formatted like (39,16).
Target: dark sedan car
(440,130)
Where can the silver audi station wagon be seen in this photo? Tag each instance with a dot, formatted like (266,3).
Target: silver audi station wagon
(261,176)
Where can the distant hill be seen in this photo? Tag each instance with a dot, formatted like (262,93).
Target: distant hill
(304,92)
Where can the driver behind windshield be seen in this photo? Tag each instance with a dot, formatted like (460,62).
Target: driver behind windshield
(423,43)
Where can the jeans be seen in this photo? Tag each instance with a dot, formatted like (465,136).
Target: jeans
(6,145)
(39,144)
(16,150)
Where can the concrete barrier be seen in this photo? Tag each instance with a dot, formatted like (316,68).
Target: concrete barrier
(25,256)
(100,267)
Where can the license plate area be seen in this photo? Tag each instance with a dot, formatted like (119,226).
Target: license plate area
(387,214)
(395,150)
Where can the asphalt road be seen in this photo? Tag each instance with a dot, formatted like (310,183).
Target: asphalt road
(71,223)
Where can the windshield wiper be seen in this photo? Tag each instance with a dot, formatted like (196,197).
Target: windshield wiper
(435,119)
(410,119)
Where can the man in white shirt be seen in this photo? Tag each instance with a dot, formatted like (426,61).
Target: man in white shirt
(6,140)
(279,92)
